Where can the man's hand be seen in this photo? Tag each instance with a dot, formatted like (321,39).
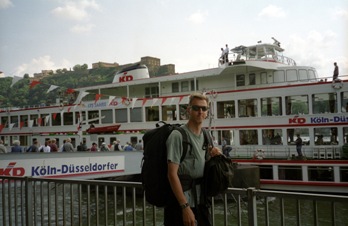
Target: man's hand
(188,217)
(215,151)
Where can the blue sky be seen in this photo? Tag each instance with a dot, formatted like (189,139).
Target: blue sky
(54,34)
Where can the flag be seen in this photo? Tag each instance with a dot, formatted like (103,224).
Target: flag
(52,87)
(134,99)
(34,83)
(15,79)
(97,97)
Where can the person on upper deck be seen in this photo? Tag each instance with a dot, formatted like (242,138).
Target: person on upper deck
(335,73)
(298,143)
(227,50)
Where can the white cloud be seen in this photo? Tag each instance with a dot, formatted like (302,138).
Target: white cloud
(340,14)
(38,64)
(5,4)
(75,10)
(198,17)
(310,50)
(82,28)
(272,11)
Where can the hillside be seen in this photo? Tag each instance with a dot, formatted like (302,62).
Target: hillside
(20,94)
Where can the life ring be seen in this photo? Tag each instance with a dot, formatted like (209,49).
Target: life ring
(337,84)
(259,154)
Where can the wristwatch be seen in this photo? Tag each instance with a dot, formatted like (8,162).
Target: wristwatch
(183,206)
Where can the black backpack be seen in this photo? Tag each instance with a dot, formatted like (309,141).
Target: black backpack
(154,164)
(218,175)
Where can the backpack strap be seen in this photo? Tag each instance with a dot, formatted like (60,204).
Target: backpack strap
(185,142)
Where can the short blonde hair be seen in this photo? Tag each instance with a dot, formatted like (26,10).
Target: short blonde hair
(199,96)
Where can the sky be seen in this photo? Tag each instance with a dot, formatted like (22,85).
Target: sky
(40,35)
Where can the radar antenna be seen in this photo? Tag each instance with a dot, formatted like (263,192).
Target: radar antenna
(276,42)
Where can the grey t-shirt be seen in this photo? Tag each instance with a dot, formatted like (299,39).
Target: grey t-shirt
(194,161)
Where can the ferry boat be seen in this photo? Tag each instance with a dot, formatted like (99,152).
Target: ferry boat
(260,100)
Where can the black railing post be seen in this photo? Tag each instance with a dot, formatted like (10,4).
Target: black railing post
(252,211)
(29,202)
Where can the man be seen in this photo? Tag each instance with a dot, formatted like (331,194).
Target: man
(299,145)
(335,73)
(227,50)
(139,146)
(68,147)
(181,209)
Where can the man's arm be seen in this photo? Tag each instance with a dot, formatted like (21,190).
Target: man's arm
(187,214)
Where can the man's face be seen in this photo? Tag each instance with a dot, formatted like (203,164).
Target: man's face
(198,110)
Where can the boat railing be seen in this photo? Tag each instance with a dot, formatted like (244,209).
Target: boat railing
(37,201)
(233,59)
(287,152)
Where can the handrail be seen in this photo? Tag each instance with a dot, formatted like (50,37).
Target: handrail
(91,202)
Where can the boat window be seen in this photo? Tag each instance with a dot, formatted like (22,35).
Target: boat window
(291,75)
(226,109)
(324,103)
(252,79)
(272,137)
(169,113)
(23,121)
(266,172)
(183,112)
(136,115)
(292,136)
(271,106)
(345,134)
(151,92)
(91,95)
(320,173)
(326,136)
(93,117)
(14,121)
(193,85)
(175,87)
(241,80)
(251,52)
(121,115)
(344,101)
(296,105)
(34,119)
(44,120)
(79,117)
(312,75)
(303,74)
(4,120)
(263,78)
(152,113)
(56,119)
(248,137)
(106,116)
(290,173)
(344,173)
(68,118)
(279,76)
(184,86)
(247,108)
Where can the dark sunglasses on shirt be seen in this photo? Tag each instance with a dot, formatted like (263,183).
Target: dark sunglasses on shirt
(196,108)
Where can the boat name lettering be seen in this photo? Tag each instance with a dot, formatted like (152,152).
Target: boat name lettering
(10,170)
(318,120)
(327,120)
(95,105)
(126,78)
(297,120)
(68,169)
